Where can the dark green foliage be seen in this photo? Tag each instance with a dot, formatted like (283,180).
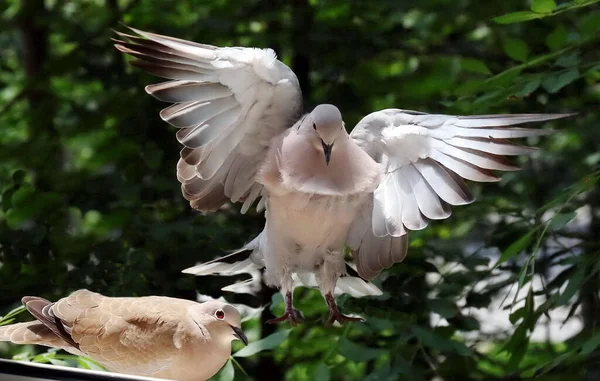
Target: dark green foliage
(90,198)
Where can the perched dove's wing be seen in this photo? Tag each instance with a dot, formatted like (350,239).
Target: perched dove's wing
(426,158)
(132,335)
(227,103)
(148,336)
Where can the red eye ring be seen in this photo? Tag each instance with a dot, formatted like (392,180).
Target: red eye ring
(220,314)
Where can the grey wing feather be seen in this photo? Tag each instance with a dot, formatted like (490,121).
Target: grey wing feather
(227,103)
(426,158)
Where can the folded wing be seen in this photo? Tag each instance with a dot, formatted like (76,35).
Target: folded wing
(227,103)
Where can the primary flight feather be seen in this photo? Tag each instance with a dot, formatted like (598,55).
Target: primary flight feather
(247,139)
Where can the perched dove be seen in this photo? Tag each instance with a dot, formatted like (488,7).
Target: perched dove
(240,118)
(147,336)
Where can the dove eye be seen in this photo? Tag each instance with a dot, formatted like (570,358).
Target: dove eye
(220,314)
(314,126)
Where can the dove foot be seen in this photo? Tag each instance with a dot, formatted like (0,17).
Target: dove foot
(292,315)
(336,315)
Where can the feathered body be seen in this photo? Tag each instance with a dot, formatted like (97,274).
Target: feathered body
(319,200)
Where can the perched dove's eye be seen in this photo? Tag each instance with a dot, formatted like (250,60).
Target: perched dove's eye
(314,126)
(220,314)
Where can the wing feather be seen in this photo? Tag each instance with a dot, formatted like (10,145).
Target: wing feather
(426,158)
(227,103)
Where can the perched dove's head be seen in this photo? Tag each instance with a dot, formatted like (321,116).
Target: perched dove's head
(325,127)
(224,318)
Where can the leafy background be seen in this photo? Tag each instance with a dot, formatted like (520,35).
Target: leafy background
(505,289)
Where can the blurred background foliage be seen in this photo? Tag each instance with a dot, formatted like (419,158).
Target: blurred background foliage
(507,288)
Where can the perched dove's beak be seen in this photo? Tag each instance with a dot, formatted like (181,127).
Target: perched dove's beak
(327,151)
(240,334)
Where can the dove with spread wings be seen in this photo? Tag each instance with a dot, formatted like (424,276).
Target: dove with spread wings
(246,138)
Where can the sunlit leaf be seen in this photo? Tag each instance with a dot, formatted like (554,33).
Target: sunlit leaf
(515,17)
(543,6)
(87,363)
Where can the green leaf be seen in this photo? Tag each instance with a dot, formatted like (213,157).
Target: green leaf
(86,363)
(560,220)
(554,83)
(589,24)
(322,372)
(19,176)
(524,274)
(268,343)
(277,303)
(529,87)
(443,307)
(543,6)
(515,17)
(227,372)
(568,60)
(558,38)
(356,352)
(515,248)
(517,345)
(591,344)
(517,315)
(474,66)
(516,49)
(574,284)
(10,316)
(440,343)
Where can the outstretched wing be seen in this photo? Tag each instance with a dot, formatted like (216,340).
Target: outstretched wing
(426,158)
(227,103)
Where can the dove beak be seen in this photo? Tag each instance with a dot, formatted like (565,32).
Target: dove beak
(327,151)
(237,332)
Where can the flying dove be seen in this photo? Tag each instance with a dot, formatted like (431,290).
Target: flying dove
(151,336)
(246,138)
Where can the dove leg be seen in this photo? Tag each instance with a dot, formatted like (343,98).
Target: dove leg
(292,315)
(278,274)
(331,269)
(336,315)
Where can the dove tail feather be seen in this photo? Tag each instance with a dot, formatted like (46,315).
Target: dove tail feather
(356,287)
(351,283)
(32,332)
(41,309)
(245,260)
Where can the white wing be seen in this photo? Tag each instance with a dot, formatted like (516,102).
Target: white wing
(228,104)
(425,159)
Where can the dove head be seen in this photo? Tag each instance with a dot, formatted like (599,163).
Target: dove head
(224,319)
(325,127)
